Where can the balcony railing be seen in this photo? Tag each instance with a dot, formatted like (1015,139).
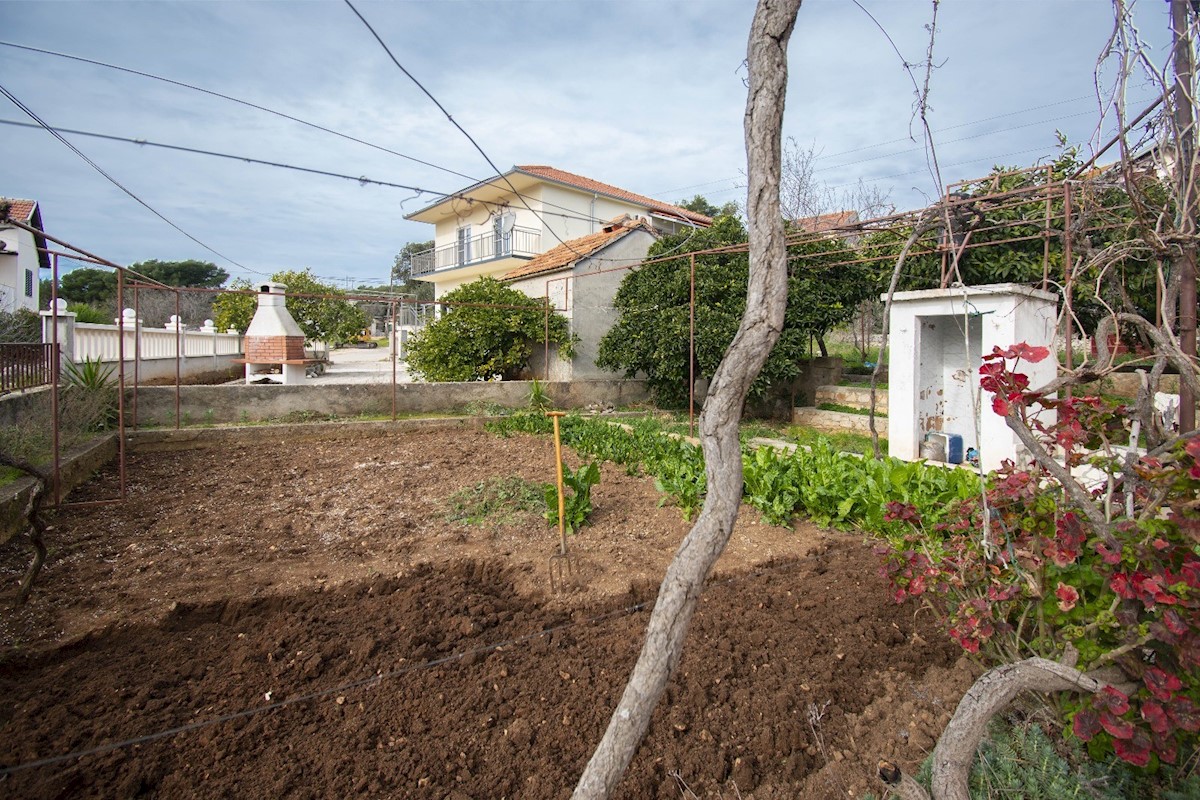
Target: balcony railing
(520,242)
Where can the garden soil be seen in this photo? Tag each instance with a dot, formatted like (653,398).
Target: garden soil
(304,619)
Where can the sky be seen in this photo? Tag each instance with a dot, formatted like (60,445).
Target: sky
(648,96)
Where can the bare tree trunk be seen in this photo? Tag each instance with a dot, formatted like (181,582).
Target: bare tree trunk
(761,325)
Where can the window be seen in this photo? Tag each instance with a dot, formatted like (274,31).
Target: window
(29,283)
(464,245)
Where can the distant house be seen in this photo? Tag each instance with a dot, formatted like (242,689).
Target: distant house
(580,278)
(826,223)
(20,258)
(496,226)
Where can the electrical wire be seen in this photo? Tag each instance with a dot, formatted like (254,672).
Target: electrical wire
(284,115)
(231,99)
(115,182)
(911,150)
(503,176)
(363,180)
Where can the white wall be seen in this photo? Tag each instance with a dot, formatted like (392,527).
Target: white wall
(21,257)
(936,343)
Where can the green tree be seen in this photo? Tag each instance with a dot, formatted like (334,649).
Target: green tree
(326,318)
(402,272)
(89,285)
(192,273)
(701,205)
(651,332)
(473,342)
(1006,240)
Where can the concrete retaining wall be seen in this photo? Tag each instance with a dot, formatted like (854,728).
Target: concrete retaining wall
(75,467)
(27,404)
(191,368)
(255,403)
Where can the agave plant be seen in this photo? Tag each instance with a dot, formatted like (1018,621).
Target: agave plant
(93,399)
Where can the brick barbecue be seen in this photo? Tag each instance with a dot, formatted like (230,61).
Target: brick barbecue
(274,342)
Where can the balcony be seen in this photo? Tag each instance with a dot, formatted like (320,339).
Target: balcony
(520,244)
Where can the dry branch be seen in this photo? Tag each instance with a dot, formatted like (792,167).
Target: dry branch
(990,695)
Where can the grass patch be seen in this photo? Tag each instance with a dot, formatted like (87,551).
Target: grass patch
(862,412)
(844,442)
(863,382)
(496,500)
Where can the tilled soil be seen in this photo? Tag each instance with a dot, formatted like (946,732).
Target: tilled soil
(303,621)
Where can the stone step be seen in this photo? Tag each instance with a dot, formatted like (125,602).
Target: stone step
(838,421)
(853,396)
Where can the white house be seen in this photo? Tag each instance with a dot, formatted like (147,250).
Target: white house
(20,258)
(496,226)
(579,278)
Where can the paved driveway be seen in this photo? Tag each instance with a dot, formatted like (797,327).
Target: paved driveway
(354,365)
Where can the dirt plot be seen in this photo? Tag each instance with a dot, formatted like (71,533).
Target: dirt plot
(418,657)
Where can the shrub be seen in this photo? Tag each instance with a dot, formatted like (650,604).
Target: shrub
(1033,566)
(486,330)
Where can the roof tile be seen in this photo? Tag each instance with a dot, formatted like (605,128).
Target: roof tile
(21,210)
(568,253)
(587,184)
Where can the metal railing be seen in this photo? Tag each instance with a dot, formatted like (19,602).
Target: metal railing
(523,242)
(24,366)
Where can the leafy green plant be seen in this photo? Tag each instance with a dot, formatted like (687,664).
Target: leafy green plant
(89,314)
(499,500)
(519,422)
(844,409)
(486,329)
(577,503)
(771,485)
(679,473)
(843,442)
(539,398)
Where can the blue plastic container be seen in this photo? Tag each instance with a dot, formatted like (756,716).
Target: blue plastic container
(954,448)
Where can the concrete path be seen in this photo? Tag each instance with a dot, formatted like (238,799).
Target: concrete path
(354,365)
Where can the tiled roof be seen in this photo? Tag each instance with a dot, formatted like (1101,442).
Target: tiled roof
(587,184)
(569,252)
(21,210)
(827,222)
(27,211)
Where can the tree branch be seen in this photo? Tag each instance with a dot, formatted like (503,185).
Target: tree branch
(759,330)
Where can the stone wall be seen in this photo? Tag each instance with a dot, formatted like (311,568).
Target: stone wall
(853,396)
(838,421)
(814,373)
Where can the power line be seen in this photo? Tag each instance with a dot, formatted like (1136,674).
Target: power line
(115,182)
(911,150)
(231,99)
(460,128)
(183,84)
(247,159)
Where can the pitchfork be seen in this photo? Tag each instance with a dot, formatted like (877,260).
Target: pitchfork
(562,563)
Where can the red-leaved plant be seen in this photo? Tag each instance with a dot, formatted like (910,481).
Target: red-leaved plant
(1119,581)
